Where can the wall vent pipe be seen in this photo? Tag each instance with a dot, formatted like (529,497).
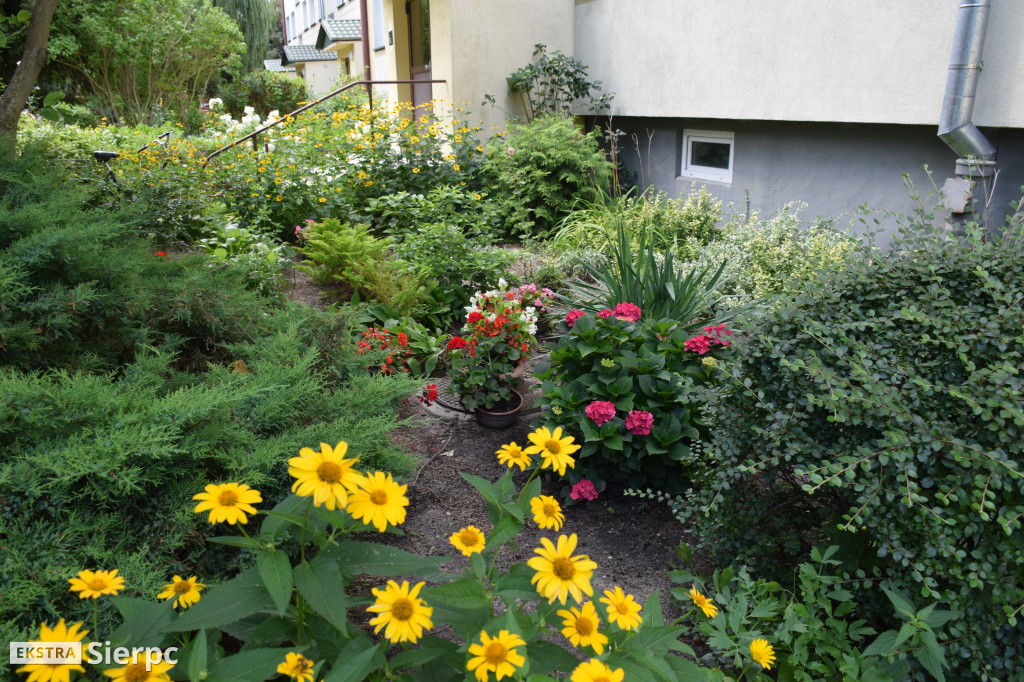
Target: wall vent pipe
(956,129)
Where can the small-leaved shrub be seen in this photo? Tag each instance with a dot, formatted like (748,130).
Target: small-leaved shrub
(885,408)
(540,170)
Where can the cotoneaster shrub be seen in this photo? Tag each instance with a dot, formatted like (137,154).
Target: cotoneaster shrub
(886,409)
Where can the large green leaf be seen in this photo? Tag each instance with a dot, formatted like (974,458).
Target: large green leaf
(249,666)
(276,573)
(236,599)
(355,558)
(320,583)
(356,660)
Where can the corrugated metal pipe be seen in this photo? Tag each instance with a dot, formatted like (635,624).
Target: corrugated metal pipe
(955,126)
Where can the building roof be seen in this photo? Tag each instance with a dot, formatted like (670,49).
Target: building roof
(275,65)
(305,53)
(339,31)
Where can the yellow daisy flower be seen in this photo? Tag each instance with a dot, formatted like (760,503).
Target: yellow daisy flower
(326,475)
(498,655)
(185,593)
(415,170)
(622,609)
(703,603)
(379,501)
(297,667)
(469,540)
(558,573)
(596,671)
(512,455)
(136,672)
(321,200)
(54,672)
(581,627)
(229,502)
(762,652)
(401,613)
(547,512)
(554,449)
(93,584)
(455,168)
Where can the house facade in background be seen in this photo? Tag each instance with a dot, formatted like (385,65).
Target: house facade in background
(765,102)
(829,103)
(303,21)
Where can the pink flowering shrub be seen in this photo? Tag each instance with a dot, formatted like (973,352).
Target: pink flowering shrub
(601,411)
(639,422)
(572,316)
(702,343)
(629,312)
(584,490)
(624,386)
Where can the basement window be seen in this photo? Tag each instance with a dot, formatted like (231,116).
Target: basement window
(707,155)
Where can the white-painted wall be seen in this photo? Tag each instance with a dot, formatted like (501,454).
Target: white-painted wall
(880,61)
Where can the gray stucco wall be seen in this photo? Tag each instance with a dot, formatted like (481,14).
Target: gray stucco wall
(832,167)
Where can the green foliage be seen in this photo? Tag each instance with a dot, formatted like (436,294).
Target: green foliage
(253,18)
(681,225)
(262,258)
(142,55)
(553,83)
(402,213)
(98,470)
(886,405)
(769,257)
(349,256)
(648,279)
(540,170)
(814,631)
(461,264)
(642,366)
(264,91)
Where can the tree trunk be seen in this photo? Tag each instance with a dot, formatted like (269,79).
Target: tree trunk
(33,59)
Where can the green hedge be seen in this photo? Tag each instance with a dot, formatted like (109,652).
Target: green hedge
(886,410)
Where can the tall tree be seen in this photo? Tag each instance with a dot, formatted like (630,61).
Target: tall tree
(138,55)
(254,19)
(33,59)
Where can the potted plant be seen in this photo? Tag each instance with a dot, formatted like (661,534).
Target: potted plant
(497,336)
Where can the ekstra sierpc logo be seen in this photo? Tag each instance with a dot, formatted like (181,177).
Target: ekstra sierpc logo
(70,653)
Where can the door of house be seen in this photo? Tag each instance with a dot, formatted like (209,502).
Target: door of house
(418,12)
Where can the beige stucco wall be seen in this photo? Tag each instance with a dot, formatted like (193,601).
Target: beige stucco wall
(476,44)
(798,60)
(320,76)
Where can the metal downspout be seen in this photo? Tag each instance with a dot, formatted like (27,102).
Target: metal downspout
(977,155)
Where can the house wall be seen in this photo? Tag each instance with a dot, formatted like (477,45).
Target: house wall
(486,42)
(832,167)
(475,45)
(870,61)
(320,76)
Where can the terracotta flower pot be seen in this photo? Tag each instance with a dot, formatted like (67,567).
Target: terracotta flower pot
(500,420)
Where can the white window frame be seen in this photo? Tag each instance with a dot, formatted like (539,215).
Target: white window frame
(691,170)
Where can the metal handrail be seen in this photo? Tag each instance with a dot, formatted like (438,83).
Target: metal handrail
(369,85)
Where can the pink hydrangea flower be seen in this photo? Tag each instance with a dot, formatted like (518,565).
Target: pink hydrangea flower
(717,334)
(629,312)
(639,422)
(601,411)
(604,314)
(573,315)
(584,490)
(699,344)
